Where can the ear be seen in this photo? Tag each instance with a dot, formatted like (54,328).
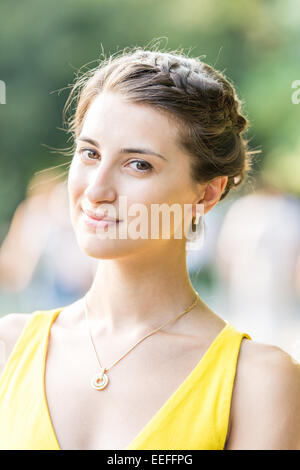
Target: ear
(213,192)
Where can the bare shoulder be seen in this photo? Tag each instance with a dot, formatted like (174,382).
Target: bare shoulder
(265,408)
(254,354)
(11,326)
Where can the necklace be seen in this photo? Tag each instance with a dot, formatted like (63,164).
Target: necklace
(100,379)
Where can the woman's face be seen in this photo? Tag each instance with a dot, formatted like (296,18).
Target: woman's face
(125,150)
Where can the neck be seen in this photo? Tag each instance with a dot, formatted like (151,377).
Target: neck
(138,294)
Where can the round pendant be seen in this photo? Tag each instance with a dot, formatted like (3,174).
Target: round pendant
(99,381)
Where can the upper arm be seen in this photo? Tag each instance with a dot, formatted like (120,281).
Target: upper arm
(265,400)
(11,326)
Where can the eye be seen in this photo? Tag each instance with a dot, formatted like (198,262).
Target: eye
(147,166)
(88,154)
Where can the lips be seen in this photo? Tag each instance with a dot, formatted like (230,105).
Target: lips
(97,221)
(98,216)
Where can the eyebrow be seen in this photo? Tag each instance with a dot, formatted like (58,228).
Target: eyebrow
(142,151)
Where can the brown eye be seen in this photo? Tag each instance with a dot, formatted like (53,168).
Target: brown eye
(142,166)
(89,154)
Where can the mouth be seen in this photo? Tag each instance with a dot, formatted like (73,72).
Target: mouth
(92,220)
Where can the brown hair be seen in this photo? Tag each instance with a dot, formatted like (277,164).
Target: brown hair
(202,101)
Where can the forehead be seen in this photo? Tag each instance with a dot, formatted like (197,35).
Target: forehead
(112,119)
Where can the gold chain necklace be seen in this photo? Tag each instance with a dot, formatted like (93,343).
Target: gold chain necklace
(100,379)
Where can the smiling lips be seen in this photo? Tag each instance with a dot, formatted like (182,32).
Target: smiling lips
(96,220)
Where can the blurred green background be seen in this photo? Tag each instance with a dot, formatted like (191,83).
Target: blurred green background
(256,43)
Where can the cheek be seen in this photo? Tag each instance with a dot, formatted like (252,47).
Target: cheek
(169,193)
(76,187)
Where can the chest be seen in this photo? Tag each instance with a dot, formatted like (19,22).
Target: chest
(139,386)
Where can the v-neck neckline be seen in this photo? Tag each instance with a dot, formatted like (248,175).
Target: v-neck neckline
(163,411)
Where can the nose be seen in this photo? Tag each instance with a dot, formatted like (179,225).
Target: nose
(101,185)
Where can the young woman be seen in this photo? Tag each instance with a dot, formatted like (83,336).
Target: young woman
(141,362)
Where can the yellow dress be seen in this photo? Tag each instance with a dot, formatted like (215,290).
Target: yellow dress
(194,417)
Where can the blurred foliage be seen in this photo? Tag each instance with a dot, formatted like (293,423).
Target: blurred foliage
(255,43)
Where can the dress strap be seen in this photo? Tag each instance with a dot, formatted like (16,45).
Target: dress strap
(24,420)
(223,365)
(30,340)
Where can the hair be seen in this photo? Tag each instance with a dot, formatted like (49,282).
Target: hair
(200,99)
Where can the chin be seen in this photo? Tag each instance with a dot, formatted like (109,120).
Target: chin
(110,249)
